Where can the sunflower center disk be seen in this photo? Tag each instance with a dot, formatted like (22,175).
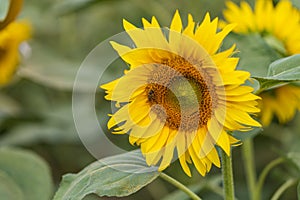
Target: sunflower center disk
(182,94)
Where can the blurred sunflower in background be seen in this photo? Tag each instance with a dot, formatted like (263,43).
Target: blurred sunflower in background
(279,25)
(181,94)
(12,34)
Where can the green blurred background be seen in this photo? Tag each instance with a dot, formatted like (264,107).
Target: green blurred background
(36,109)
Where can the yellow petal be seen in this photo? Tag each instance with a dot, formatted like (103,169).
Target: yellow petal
(168,153)
(223,142)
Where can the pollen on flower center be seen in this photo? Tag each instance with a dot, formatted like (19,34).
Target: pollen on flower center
(184,92)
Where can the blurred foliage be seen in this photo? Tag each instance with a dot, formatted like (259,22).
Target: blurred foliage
(36,108)
(24,176)
(4,9)
(296,3)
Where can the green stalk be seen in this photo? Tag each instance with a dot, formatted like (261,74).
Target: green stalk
(180,186)
(249,166)
(228,184)
(283,188)
(263,175)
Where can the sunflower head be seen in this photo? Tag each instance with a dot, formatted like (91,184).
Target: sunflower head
(278,24)
(282,102)
(10,39)
(180,95)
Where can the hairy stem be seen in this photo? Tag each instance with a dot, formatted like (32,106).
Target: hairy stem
(228,184)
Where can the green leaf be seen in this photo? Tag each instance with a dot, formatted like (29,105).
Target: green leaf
(28,171)
(119,175)
(266,83)
(4,8)
(281,72)
(286,68)
(8,188)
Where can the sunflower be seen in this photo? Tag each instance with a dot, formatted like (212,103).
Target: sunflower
(10,38)
(279,25)
(288,97)
(181,96)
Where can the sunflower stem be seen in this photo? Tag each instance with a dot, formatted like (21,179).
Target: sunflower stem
(228,184)
(249,166)
(180,186)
